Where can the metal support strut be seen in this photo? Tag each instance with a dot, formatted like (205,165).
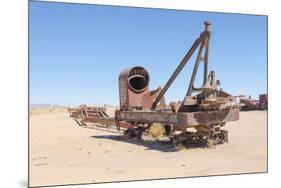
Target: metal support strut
(204,41)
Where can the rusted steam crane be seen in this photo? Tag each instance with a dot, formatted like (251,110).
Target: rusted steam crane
(205,109)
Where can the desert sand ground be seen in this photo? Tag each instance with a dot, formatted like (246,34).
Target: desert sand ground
(61,152)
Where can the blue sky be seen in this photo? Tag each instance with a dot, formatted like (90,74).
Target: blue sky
(77,51)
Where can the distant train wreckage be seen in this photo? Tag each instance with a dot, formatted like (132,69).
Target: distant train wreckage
(204,109)
(247,104)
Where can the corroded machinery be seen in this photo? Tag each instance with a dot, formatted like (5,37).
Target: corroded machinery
(247,104)
(134,90)
(198,118)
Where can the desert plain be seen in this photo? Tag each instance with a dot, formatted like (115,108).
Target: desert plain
(61,152)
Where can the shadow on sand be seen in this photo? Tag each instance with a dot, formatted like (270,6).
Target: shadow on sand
(164,146)
(160,145)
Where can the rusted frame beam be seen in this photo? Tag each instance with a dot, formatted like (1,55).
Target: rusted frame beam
(205,34)
(204,45)
(197,63)
(176,72)
(182,119)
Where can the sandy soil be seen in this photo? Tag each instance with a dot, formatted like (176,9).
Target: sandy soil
(49,110)
(61,152)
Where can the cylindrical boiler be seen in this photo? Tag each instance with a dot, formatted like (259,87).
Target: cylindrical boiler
(133,85)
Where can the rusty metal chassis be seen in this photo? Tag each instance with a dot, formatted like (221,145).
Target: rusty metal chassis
(184,119)
(135,122)
(127,119)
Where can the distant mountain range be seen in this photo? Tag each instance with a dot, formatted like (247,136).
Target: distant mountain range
(62,106)
(43,105)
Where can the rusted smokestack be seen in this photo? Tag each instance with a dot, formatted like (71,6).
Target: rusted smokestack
(133,83)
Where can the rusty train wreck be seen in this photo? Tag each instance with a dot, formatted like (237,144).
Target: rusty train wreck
(247,104)
(206,109)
